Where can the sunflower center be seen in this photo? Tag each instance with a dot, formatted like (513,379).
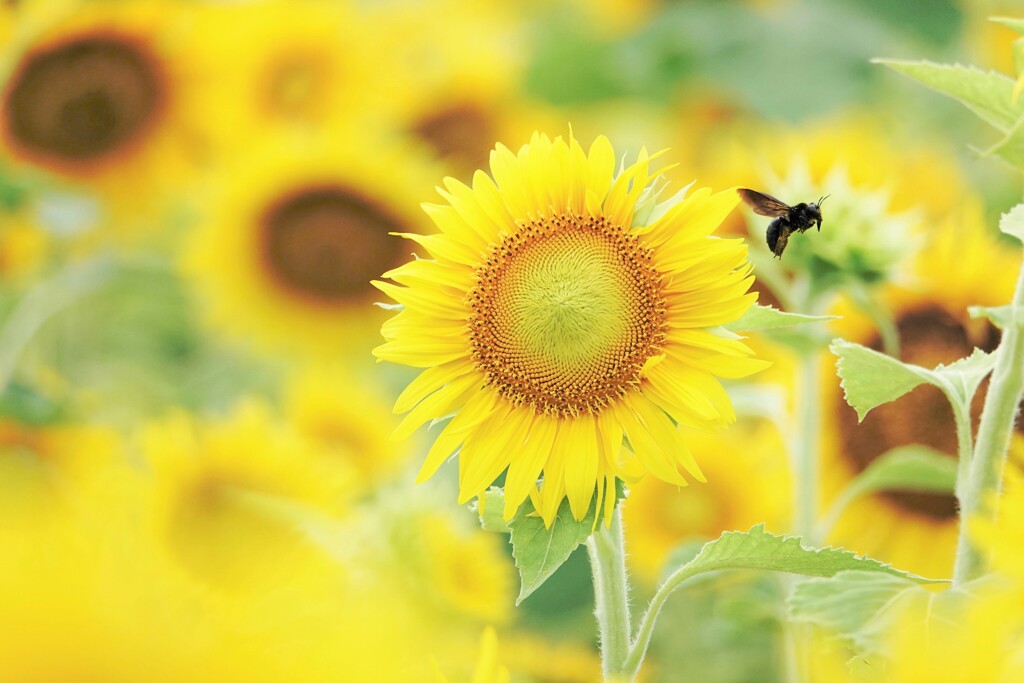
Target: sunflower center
(327,243)
(565,313)
(296,85)
(82,100)
(928,336)
(462,133)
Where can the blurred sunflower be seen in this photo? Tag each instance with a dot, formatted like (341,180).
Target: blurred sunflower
(462,88)
(318,62)
(347,421)
(963,265)
(748,483)
(227,498)
(449,568)
(905,175)
(979,642)
(557,317)
(286,252)
(94,94)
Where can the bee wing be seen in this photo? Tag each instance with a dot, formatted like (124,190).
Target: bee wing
(764,204)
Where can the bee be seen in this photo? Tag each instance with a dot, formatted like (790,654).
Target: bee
(788,219)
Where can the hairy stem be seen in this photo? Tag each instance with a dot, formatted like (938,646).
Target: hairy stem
(606,549)
(984,475)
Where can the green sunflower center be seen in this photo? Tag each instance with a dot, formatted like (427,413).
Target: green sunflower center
(565,313)
(82,100)
(327,243)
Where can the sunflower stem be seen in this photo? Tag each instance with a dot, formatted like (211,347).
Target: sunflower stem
(607,552)
(985,472)
(805,442)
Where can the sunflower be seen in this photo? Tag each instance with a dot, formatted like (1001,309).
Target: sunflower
(962,266)
(317,63)
(94,94)
(287,249)
(555,318)
(463,81)
(346,421)
(225,496)
(905,175)
(748,483)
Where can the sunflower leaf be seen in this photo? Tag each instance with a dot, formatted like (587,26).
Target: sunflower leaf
(1012,222)
(759,549)
(914,467)
(490,509)
(905,468)
(862,606)
(1010,22)
(987,93)
(760,317)
(870,378)
(966,374)
(539,551)
(1000,316)
(1011,147)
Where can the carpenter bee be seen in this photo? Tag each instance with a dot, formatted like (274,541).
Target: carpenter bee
(788,219)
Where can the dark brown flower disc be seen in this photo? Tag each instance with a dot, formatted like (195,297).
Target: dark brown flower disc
(82,100)
(327,243)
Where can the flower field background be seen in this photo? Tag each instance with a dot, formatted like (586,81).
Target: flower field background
(205,470)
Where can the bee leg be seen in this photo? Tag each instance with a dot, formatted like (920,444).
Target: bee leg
(780,244)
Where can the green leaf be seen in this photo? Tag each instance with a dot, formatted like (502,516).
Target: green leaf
(680,556)
(1011,147)
(539,551)
(907,468)
(760,317)
(1000,316)
(987,93)
(23,404)
(862,606)
(870,378)
(964,375)
(759,549)
(1010,22)
(1012,222)
(491,509)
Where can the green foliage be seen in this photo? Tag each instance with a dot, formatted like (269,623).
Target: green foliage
(986,93)
(759,549)
(1000,316)
(490,511)
(861,606)
(760,317)
(538,551)
(870,379)
(907,468)
(1012,222)
(23,404)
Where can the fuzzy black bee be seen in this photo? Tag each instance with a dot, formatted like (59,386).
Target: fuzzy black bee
(788,219)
